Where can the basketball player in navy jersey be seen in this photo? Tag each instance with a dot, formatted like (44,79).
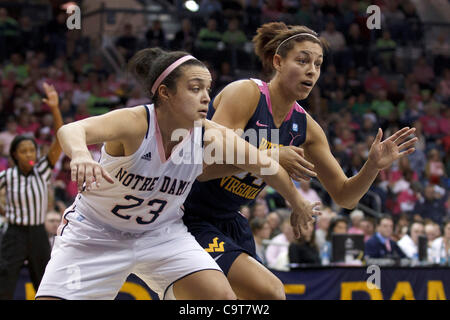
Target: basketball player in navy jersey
(295,55)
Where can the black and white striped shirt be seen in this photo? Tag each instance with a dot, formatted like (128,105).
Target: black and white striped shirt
(26,196)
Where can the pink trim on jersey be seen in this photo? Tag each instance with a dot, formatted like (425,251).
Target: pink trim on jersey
(297,108)
(264,88)
(159,143)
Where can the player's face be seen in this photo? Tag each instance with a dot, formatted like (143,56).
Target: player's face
(192,97)
(25,154)
(301,68)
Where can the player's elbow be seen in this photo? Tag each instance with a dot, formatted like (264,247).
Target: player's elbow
(345,203)
(60,132)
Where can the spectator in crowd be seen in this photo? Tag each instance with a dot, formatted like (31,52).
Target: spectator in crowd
(432,206)
(225,75)
(271,11)
(432,231)
(184,38)
(277,250)
(358,46)
(409,243)
(210,7)
(261,231)
(7,135)
(385,47)
(337,44)
(127,43)
(52,221)
(253,15)
(55,37)
(322,225)
(307,192)
(423,73)
(338,225)
(208,40)
(382,106)
(401,227)
(367,225)
(440,247)
(441,52)
(65,188)
(9,34)
(259,209)
(234,36)
(374,82)
(304,250)
(155,36)
(381,245)
(434,169)
(274,220)
(430,122)
(356,216)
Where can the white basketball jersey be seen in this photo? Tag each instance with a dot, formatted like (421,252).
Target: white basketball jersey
(148,189)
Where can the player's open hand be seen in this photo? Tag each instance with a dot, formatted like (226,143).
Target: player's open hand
(383,154)
(292,159)
(302,216)
(85,170)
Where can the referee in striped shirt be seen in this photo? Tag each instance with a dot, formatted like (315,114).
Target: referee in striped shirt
(26,187)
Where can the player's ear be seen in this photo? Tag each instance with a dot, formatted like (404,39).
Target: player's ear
(276,62)
(163,92)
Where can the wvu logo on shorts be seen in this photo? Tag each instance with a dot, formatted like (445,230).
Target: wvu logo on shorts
(214,247)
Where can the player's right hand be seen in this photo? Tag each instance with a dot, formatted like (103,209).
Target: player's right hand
(292,159)
(302,216)
(86,170)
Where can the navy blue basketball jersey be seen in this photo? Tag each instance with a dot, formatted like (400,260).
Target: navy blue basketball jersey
(222,198)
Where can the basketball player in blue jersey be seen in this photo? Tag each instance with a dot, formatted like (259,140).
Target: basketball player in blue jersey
(294,54)
(133,223)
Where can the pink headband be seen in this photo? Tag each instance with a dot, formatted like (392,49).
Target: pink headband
(169,69)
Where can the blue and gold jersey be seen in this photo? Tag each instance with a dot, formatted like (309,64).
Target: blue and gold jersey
(222,198)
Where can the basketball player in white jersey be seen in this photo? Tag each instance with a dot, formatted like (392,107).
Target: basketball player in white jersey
(132,223)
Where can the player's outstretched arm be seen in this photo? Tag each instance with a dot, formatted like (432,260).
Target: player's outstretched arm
(345,191)
(112,128)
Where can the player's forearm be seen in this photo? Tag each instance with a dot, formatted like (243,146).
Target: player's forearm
(72,138)
(356,187)
(216,171)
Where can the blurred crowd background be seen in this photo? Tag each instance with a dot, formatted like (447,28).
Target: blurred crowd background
(391,77)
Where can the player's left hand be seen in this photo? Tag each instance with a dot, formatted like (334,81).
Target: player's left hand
(52,99)
(383,154)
